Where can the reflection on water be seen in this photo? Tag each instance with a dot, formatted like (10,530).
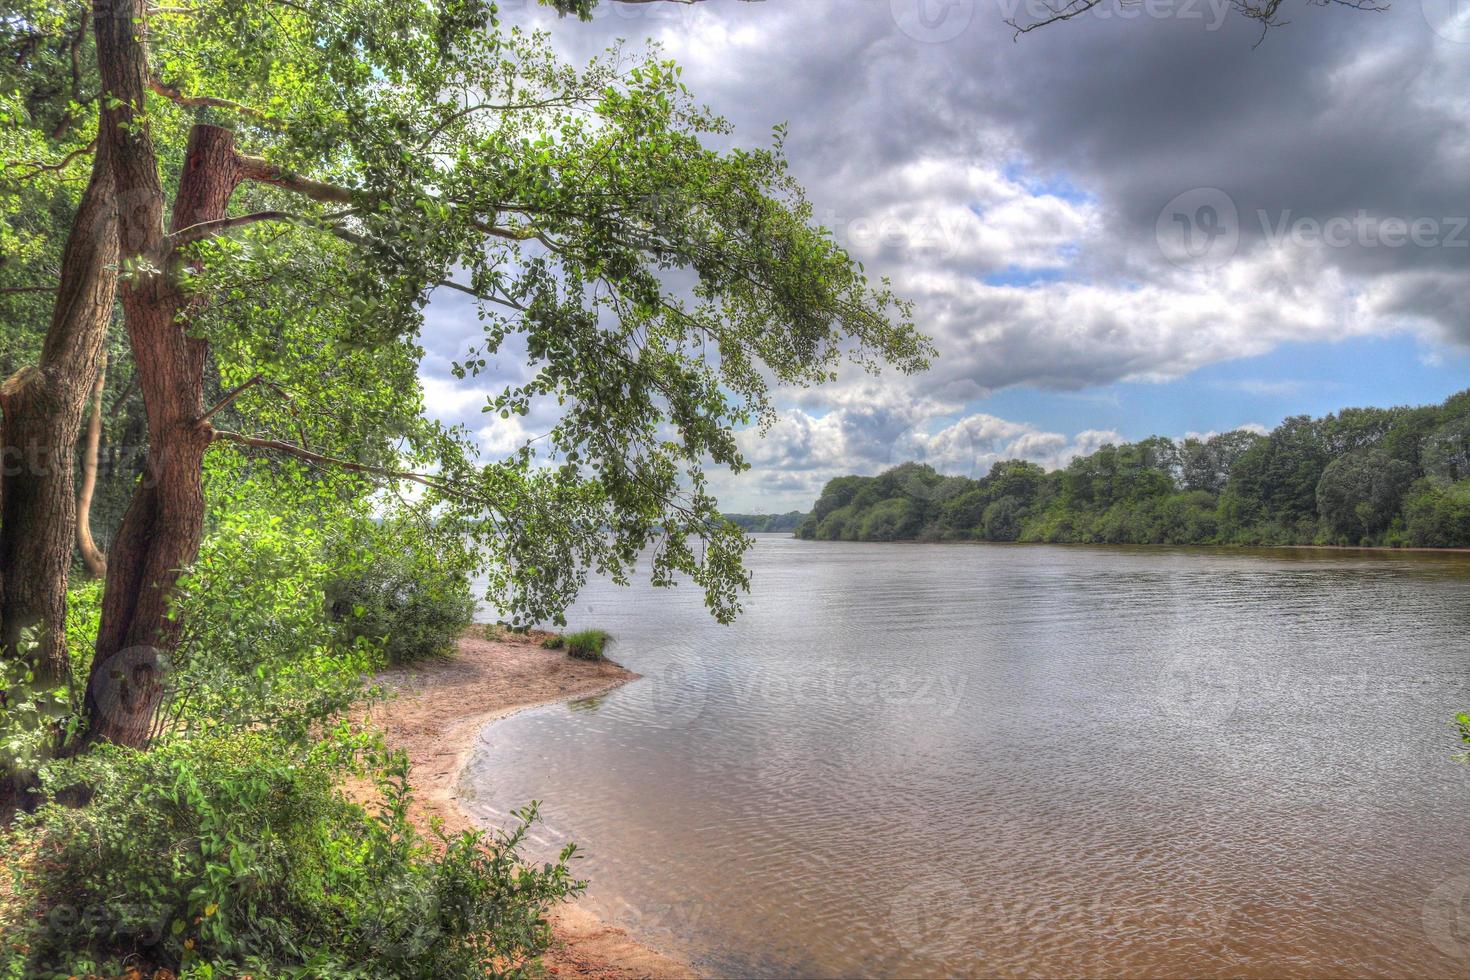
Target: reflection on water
(932,760)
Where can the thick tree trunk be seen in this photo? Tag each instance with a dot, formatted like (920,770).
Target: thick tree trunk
(92,556)
(42,410)
(161,531)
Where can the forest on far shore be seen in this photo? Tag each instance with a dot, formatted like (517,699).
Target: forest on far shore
(1398,477)
(767,523)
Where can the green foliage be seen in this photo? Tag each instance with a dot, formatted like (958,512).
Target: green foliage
(1361,493)
(240,853)
(655,284)
(257,647)
(413,600)
(1363,476)
(767,523)
(33,711)
(1002,519)
(654,281)
(1438,515)
(586,644)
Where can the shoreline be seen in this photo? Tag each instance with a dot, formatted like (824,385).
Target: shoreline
(438,711)
(1381,548)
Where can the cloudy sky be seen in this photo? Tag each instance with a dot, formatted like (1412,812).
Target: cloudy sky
(1137,222)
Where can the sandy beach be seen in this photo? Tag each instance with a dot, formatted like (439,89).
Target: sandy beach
(439,709)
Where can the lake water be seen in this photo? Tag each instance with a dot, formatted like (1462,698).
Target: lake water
(914,760)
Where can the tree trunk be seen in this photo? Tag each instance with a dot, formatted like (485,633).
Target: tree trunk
(161,531)
(92,556)
(42,410)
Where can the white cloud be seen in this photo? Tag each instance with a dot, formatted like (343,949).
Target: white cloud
(870,429)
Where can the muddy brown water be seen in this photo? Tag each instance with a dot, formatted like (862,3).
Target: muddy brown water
(920,760)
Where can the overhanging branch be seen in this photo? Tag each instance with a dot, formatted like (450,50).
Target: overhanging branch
(207,229)
(299,452)
(38,168)
(265,172)
(177,97)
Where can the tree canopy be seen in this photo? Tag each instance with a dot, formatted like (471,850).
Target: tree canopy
(328,168)
(1363,476)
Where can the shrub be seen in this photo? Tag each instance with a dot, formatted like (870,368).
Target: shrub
(1438,515)
(1002,520)
(226,855)
(586,645)
(417,602)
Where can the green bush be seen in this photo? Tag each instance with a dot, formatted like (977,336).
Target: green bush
(225,855)
(587,644)
(1002,519)
(416,602)
(1438,514)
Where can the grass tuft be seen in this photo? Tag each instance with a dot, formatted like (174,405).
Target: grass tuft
(587,644)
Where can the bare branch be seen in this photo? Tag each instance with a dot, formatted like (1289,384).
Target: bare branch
(228,400)
(1264,12)
(433,483)
(38,167)
(173,94)
(207,229)
(265,172)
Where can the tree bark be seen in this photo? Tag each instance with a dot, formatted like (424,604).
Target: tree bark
(92,556)
(162,529)
(161,532)
(42,409)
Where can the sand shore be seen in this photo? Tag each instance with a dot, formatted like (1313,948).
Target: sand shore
(437,713)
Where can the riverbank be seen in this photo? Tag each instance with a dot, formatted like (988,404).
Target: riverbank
(440,708)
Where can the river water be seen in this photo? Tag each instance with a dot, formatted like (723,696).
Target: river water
(916,760)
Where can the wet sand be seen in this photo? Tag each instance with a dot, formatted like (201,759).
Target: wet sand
(439,710)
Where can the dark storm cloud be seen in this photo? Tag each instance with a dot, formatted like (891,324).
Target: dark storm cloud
(1340,118)
(1018,190)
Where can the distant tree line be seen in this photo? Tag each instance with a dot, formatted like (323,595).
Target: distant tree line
(767,523)
(1365,476)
